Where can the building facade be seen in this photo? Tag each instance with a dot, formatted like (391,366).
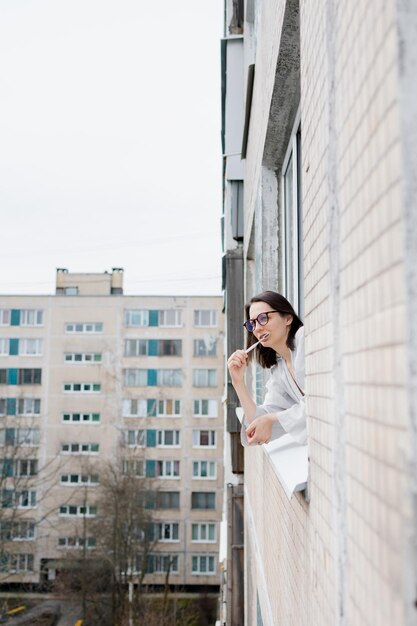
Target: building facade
(320,131)
(91,378)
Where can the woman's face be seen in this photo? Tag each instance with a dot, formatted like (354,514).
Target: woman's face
(274,333)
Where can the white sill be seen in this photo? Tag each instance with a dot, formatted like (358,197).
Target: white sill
(289,460)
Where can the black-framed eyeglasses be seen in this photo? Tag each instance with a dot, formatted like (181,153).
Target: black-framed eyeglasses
(262,319)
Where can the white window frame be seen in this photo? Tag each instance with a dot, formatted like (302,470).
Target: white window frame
(199,434)
(199,315)
(212,407)
(199,559)
(31,406)
(200,348)
(143,316)
(84,418)
(20,530)
(30,470)
(5,316)
(173,528)
(292,256)
(84,327)
(139,437)
(87,480)
(133,467)
(76,543)
(168,469)
(27,437)
(36,314)
(198,464)
(161,407)
(80,451)
(19,563)
(135,377)
(26,343)
(90,510)
(159,560)
(169,377)
(203,526)
(85,357)
(140,347)
(134,407)
(175,322)
(4,346)
(81,387)
(204,377)
(161,436)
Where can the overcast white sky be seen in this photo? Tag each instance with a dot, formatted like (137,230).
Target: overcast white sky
(110,151)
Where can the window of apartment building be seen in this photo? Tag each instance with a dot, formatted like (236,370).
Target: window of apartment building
(203,564)
(170,318)
(136,347)
(31,317)
(292,221)
(170,347)
(84,327)
(82,387)
(30,347)
(168,438)
(84,418)
(3,406)
(205,317)
(135,377)
(79,479)
(203,500)
(161,563)
(205,347)
(167,499)
(80,448)
(28,406)
(77,510)
(203,533)
(4,317)
(136,438)
(19,436)
(168,408)
(82,357)
(136,317)
(166,532)
(133,407)
(133,467)
(204,378)
(16,563)
(12,498)
(26,467)
(21,530)
(204,438)
(77,542)
(168,469)
(29,376)
(3,376)
(204,469)
(169,378)
(4,347)
(205,408)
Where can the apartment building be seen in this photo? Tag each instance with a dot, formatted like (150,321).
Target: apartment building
(319,148)
(91,377)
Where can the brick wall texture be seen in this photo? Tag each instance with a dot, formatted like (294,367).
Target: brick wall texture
(340,558)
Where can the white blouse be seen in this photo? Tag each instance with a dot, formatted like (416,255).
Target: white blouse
(284,397)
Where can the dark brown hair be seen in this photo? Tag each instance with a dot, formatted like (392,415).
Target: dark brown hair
(267,357)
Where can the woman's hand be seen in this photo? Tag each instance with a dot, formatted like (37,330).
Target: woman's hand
(260,429)
(237,366)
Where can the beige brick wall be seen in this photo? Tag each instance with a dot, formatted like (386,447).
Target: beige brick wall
(340,559)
